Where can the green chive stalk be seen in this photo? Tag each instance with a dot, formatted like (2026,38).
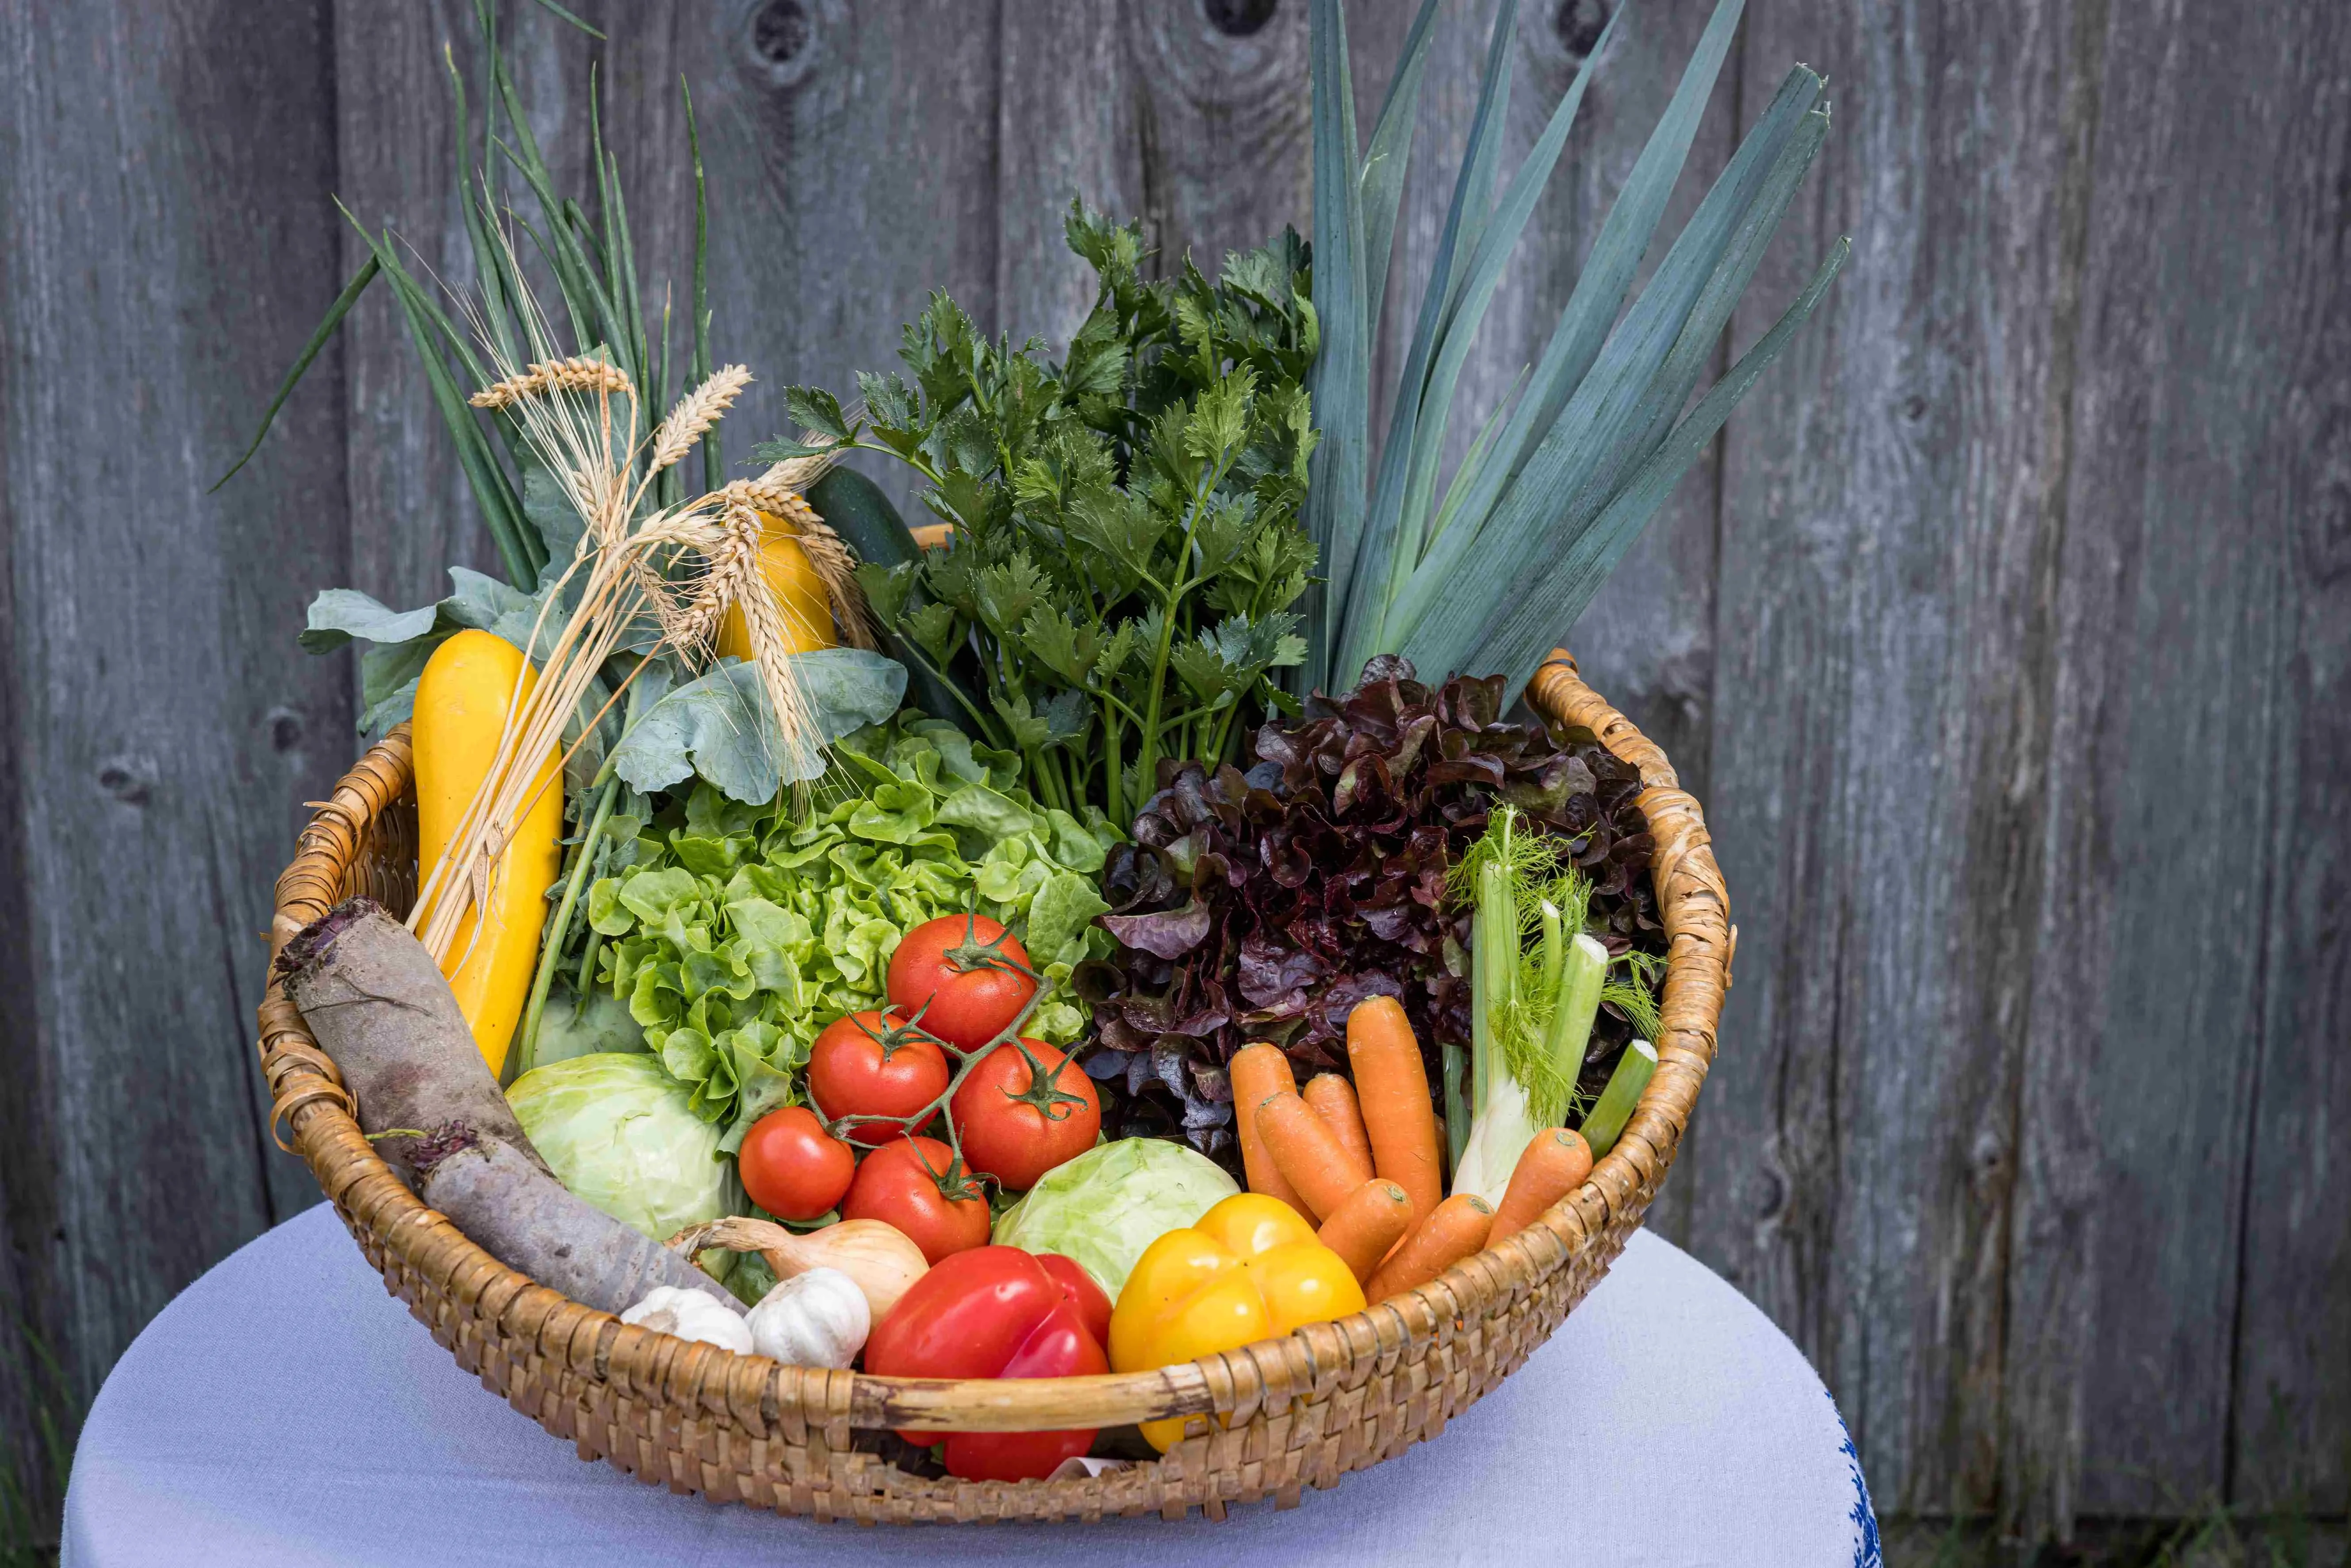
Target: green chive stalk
(1615,1108)
(551,950)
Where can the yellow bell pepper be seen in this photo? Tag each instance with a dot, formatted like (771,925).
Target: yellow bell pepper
(1249,1269)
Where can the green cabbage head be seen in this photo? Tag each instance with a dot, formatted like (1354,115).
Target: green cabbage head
(1105,1207)
(620,1132)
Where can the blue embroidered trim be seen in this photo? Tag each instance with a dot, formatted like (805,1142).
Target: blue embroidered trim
(1865,1552)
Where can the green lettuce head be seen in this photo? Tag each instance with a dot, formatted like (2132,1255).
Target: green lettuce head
(1105,1207)
(733,934)
(618,1130)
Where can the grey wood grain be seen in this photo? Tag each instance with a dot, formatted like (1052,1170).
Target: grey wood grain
(2203,668)
(2291,1364)
(411,515)
(167,245)
(1068,127)
(1880,738)
(857,165)
(1223,119)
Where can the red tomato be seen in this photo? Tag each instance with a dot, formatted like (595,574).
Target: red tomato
(962,975)
(791,1166)
(1018,1121)
(1078,1286)
(908,1184)
(994,1311)
(872,1064)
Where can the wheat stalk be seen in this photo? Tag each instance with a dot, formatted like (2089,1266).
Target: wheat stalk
(695,413)
(777,495)
(631,569)
(578,374)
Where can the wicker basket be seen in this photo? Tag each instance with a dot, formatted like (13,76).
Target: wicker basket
(1299,1411)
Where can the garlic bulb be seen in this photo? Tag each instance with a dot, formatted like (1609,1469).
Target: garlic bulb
(816,1319)
(691,1314)
(879,1257)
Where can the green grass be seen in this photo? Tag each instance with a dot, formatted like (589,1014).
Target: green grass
(2215,1537)
(34,1464)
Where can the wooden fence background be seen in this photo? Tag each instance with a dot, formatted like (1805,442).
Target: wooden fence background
(2004,635)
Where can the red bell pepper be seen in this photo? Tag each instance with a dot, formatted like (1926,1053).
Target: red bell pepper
(997,1312)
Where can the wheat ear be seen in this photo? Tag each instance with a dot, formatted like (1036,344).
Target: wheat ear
(581,374)
(695,413)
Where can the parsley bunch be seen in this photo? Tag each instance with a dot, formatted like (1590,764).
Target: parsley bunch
(1125,543)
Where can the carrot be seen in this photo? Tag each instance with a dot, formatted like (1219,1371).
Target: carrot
(1333,1099)
(1396,1105)
(1455,1231)
(1367,1224)
(1309,1158)
(1550,1167)
(1258,1071)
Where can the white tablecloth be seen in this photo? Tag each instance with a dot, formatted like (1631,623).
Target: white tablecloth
(286,1410)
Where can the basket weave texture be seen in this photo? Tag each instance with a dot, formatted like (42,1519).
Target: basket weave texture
(1295,1412)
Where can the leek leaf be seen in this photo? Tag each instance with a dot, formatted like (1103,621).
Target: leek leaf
(1383,525)
(1340,383)
(1531,625)
(1592,439)
(1390,153)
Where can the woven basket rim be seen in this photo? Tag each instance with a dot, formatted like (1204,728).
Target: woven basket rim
(309,1097)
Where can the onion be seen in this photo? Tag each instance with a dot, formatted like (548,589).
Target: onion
(878,1256)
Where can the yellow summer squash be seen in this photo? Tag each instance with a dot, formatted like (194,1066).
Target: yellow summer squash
(461,700)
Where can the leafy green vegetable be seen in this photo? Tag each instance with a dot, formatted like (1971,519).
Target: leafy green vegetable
(592,1025)
(1482,573)
(619,1132)
(736,932)
(721,726)
(1265,905)
(1126,545)
(1105,1207)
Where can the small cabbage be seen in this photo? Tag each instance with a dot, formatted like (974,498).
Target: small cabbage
(1105,1207)
(619,1132)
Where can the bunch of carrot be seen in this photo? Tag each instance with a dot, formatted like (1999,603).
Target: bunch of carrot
(1361,1160)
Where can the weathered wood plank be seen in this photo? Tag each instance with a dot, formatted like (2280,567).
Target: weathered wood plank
(2291,1395)
(850,166)
(1879,722)
(167,247)
(411,514)
(2187,1274)
(851,160)
(1067,127)
(1224,119)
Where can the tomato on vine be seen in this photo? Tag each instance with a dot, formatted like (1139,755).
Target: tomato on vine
(964,976)
(1024,1108)
(791,1166)
(874,1064)
(918,1185)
